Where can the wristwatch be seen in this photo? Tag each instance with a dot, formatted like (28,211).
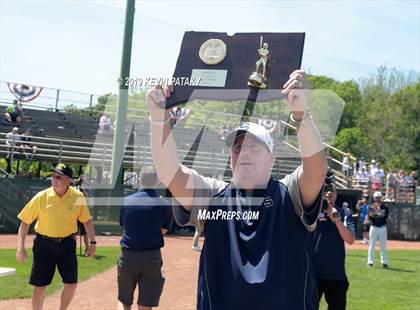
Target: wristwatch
(298,122)
(93,242)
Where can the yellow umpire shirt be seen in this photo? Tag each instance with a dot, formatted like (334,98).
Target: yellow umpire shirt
(56,217)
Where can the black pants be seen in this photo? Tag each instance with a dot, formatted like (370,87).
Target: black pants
(47,254)
(335,292)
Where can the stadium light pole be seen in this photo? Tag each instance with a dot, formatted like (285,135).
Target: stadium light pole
(121,116)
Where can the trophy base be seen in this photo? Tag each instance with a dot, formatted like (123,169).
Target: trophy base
(261,85)
(257,80)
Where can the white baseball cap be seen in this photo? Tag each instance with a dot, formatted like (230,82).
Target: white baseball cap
(377,194)
(258,131)
(345,204)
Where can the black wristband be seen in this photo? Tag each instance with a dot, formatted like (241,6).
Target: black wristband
(93,242)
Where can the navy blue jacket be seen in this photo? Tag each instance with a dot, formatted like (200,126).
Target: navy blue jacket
(142,216)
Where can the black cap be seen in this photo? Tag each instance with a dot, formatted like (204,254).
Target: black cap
(63,169)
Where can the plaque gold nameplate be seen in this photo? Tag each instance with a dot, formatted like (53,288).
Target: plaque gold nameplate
(209,77)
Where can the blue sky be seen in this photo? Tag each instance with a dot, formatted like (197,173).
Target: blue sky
(76,45)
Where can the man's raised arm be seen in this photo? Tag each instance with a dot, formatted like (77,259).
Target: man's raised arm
(314,163)
(175,176)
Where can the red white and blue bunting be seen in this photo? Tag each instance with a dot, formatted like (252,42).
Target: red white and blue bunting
(24,92)
(268,124)
(179,113)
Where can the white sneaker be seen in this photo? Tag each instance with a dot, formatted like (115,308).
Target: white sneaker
(196,248)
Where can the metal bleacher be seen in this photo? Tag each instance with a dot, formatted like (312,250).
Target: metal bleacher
(73,139)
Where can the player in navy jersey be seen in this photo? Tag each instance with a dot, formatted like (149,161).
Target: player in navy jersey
(256,262)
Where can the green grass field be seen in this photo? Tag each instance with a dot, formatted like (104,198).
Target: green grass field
(17,286)
(395,288)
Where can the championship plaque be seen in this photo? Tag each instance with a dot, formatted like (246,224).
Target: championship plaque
(217,66)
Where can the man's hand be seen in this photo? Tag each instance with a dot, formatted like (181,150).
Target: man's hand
(21,256)
(296,90)
(155,98)
(333,215)
(91,250)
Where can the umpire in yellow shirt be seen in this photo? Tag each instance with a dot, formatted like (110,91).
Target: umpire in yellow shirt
(56,210)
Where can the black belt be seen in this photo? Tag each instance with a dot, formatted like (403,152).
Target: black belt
(60,239)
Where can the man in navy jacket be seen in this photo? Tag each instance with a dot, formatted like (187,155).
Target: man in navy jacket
(142,217)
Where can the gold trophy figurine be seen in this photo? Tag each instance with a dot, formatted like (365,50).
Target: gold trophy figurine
(258,77)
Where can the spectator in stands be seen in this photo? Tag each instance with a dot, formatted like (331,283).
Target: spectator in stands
(373,167)
(363,208)
(413,180)
(377,175)
(359,164)
(13,142)
(380,172)
(362,178)
(362,162)
(105,125)
(391,184)
(144,217)
(356,166)
(14,113)
(27,144)
(403,186)
(378,214)
(346,164)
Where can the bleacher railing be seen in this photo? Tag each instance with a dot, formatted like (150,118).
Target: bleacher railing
(97,153)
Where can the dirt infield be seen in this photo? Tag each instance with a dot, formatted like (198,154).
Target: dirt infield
(180,269)
(9,242)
